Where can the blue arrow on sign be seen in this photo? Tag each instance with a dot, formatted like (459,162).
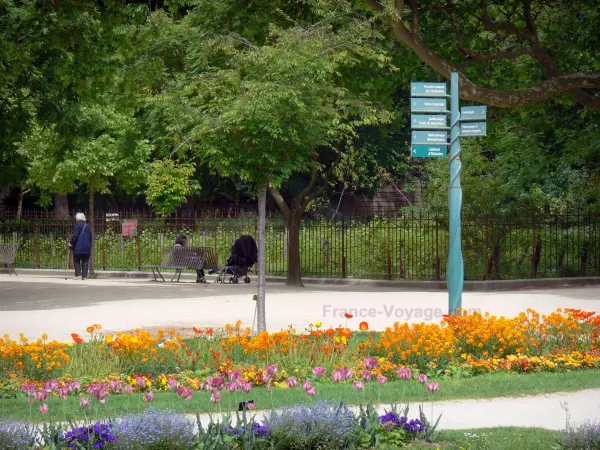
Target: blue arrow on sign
(435,122)
(428,105)
(473,129)
(420,89)
(429,137)
(428,151)
(473,113)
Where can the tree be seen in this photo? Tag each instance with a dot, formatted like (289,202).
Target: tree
(102,147)
(499,46)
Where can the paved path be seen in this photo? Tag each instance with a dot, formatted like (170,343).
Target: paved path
(543,411)
(41,304)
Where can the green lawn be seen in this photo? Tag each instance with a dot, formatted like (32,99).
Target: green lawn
(508,438)
(484,386)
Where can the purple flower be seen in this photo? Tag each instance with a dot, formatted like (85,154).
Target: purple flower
(234,375)
(74,386)
(29,388)
(307,385)
(84,402)
(63,393)
(291,383)
(358,385)
(422,379)
(217,383)
(370,363)
(148,396)
(272,369)
(404,374)
(381,379)
(172,384)
(114,385)
(215,397)
(246,387)
(185,393)
(127,390)
(366,375)
(94,436)
(140,382)
(432,387)
(337,376)
(318,371)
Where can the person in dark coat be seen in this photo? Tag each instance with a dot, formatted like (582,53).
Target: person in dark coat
(81,244)
(181,241)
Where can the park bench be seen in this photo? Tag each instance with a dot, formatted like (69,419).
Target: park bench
(182,258)
(7,257)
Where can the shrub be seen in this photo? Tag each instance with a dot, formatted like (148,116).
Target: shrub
(15,435)
(323,425)
(584,436)
(154,430)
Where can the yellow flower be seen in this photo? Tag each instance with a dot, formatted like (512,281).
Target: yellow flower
(108,338)
(318,324)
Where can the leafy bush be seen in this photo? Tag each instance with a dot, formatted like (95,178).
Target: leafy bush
(15,435)
(584,436)
(153,430)
(322,425)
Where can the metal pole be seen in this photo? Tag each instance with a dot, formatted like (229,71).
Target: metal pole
(455,259)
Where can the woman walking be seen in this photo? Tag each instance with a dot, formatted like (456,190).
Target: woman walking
(81,244)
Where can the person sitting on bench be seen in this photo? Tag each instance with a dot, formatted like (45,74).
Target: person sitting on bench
(181,241)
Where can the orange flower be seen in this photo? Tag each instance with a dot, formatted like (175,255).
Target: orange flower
(348,316)
(172,332)
(197,331)
(90,329)
(76,338)
(209,331)
(363,326)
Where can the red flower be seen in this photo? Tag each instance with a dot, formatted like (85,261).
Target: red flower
(76,338)
(209,331)
(363,326)
(197,331)
(348,316)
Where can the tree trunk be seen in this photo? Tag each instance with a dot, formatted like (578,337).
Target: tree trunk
(261,319)
(22,194)
(91,225)
(294,274)
(61,206)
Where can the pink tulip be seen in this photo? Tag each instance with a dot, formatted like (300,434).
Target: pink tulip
(231,387)
(114,385)
(185,393)
(172,384)
(63,393)
(358,385)
(307,385)
(41,396)
(337,376)
(422,379)
(140,382)
(29,388)
(234,375)
(148,396)
(272,369)
(404,374)
(291,383)
(215,397)
(348,374)
(247,387)
(216,382)
(366,375)
(381,379)
(74,386)
(250,405)
(432,387)
(319,371)
(311,392)
(127,390)
(51,385)
(266,378)
(43,408)
(270,387)
(84,402)
(370,363)
(30,400)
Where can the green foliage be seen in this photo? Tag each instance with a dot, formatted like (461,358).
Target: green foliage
(168,185)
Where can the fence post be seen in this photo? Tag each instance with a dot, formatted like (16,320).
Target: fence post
(103,258)
(533,271)
(438,268)
(486,264)
(203,238)
(389,251)
(51,243)
(14,241)
(161,238)
(37,247)
(343,248)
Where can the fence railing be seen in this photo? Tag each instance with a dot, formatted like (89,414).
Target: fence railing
(412,246)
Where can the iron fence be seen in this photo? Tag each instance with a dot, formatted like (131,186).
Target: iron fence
(410,245)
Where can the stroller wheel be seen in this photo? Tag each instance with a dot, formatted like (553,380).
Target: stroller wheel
(247,280)
(235,280)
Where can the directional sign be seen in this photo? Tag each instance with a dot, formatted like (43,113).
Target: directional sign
(429,137)
(428,105)
(473,129)
(430,122)
(419,89)
(473,113)
(428,151)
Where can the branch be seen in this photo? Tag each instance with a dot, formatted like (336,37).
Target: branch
(475,57)
(243,40)
(281,204)
(313,180)
(325,184)
(414,14)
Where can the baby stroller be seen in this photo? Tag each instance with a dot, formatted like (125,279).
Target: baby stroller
(244,254)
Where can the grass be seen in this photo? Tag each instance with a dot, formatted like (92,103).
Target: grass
(501,438)
(396,392)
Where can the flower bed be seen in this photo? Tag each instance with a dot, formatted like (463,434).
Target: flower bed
(460,345)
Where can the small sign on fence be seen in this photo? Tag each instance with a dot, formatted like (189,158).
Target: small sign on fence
(129,227)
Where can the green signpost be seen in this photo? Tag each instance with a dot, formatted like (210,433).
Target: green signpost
(429,139)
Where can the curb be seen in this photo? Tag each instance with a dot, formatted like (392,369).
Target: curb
(475,286)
